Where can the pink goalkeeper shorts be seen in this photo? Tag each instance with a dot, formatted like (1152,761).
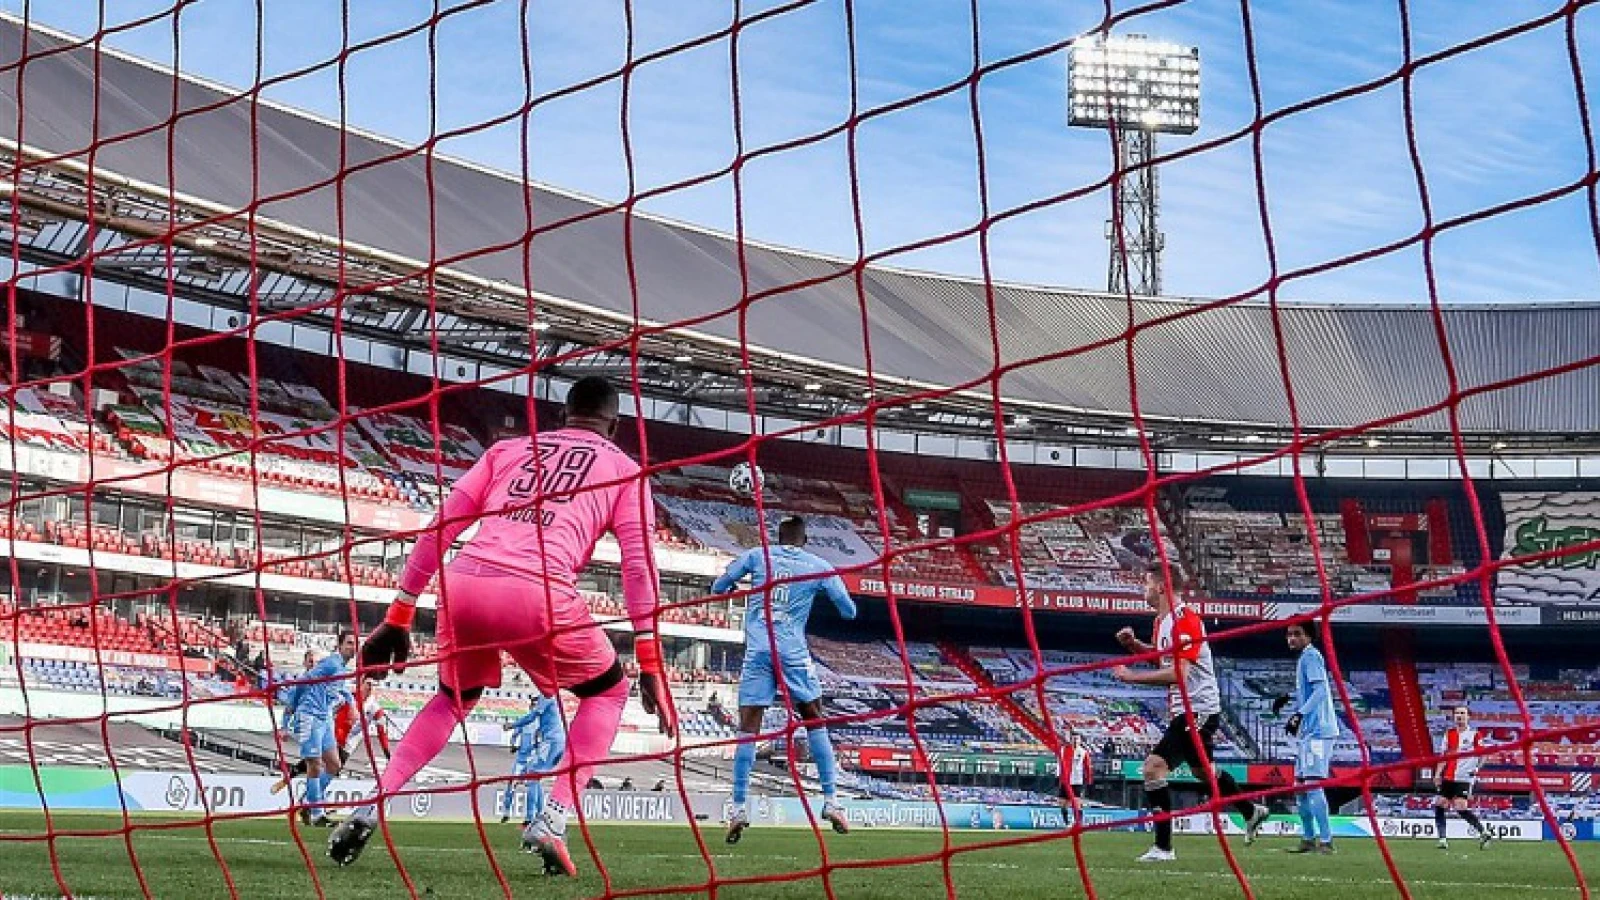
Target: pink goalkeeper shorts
(484,611)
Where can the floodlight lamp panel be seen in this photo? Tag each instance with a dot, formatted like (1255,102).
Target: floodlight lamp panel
(1131,82)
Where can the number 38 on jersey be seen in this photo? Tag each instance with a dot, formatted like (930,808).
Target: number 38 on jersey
(552,476)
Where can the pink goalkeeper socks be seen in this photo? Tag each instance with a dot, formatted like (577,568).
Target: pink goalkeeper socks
(424,739)
(589,738)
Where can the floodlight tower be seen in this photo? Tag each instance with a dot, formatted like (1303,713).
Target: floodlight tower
(1135,87)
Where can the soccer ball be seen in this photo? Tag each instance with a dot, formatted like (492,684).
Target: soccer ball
(746,479)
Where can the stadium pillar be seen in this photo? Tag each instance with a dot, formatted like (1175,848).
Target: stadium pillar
(1441,550)
(1405,694)
(1358,541)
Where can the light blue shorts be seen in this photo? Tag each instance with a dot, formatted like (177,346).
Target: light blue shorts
(316,736)
(758,681)
(1313,759)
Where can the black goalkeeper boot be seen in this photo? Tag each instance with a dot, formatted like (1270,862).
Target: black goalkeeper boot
(349,839)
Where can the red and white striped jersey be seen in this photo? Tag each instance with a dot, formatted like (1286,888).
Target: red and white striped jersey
(1077,766)
(350,737)
(1465,768)
(1181,635)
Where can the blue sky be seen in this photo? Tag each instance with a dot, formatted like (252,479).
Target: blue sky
(1498,123)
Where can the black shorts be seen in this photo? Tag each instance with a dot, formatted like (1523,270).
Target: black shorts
(1455,790)
(1178,746)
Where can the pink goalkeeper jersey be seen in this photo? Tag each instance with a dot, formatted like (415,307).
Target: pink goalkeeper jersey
(554,537)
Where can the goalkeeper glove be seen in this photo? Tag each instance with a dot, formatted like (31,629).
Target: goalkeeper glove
(1293,726)
(389,645)
(653,682)
(1279,703)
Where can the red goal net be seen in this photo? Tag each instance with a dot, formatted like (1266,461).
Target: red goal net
(278,279)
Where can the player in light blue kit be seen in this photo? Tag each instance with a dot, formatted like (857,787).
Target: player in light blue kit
(538,739)
(308,708)
(1315,722)
(790,607)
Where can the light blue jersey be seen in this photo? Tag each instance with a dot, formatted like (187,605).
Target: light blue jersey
(539,738)
(790,602)
(1313,696)
(789,607)
(1319,730)
(314,695)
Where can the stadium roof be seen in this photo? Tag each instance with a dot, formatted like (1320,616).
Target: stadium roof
(1200,365)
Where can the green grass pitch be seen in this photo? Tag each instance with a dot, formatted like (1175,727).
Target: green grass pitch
(448,861)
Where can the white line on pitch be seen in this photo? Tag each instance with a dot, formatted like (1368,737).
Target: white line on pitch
(1328,879)
(408,850)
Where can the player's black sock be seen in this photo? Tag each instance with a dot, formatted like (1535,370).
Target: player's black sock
(1227,787)
(298,770)
(1472,819)
(1438,819)
(1160,800)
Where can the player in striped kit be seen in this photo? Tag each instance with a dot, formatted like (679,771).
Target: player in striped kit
(1453,779)
(1077,771)
(1187,672)
(352,722)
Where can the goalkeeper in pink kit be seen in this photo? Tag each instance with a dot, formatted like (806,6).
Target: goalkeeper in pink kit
(543,503)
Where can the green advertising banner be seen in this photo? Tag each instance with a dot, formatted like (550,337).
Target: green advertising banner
(992,764)
(1131,772)
(918,498)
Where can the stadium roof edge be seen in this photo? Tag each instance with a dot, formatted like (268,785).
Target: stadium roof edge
(1367,361)
(579,196)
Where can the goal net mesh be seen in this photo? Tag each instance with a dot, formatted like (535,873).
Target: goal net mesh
(248,350)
